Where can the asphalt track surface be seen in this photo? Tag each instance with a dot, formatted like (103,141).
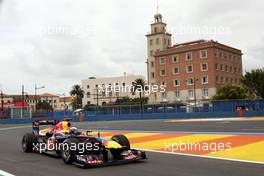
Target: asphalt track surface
(14,161)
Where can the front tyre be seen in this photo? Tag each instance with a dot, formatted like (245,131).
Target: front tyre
(68,154)
(124,142)
(28,142)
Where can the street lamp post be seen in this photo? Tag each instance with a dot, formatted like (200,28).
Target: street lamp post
(194,87)
(37,88)
(64,101)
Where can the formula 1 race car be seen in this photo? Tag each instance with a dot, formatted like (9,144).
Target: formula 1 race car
(79,147)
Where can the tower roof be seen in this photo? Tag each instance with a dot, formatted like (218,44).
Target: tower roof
(158,18)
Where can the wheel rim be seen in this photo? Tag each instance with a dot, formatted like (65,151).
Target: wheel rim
(66,154)
(24,145)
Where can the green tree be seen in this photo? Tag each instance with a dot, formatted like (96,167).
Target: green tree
(123,101)
(78,93)
(139,86)
(44,105)
(131,101)
(229,92)
(254,82)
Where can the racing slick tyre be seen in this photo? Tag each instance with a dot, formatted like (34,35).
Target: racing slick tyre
(67,154)
(123,141)
(28,142)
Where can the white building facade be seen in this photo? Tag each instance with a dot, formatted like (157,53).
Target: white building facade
(102,91)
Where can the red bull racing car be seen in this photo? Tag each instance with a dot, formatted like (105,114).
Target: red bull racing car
(79,147)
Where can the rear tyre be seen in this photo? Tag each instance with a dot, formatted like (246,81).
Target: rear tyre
(67,154)
(28,142)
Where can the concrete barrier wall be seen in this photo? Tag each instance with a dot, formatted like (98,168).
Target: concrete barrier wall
(108,117)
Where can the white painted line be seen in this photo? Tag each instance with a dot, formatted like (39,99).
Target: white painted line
(203,156)
(12,128)
(3,173)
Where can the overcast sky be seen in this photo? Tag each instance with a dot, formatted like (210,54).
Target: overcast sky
(57,43)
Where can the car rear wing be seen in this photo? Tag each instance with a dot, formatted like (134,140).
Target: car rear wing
(36,124)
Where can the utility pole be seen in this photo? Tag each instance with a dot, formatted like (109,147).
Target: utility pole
(36,88)
(35,98)
(2,101)
(97,97)
(23,100)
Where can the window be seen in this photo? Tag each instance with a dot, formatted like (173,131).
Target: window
(152,75)
(226,80)
(204,80)
(191,93)
(103,93)
(220,54)
(164,83)
(88,94)
(176,83)
(163,72)
(152,64)
(151,53)
(88,86)
(157,41)
(162,60)
(222,80)
(164,95)
(235,69)
(176,70)
(205,93)
(204,67)
(155,29)
(230,68)
(190,81)
(124,84)
(216,78)
(189,69)
(175,58)
(221,67)
(216,66)
(96,86)
(189,56)
(203,54)
(177,94)
(150,42)
(226,68)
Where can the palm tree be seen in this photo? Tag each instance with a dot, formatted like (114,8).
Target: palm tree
(139,86)
(78,93)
